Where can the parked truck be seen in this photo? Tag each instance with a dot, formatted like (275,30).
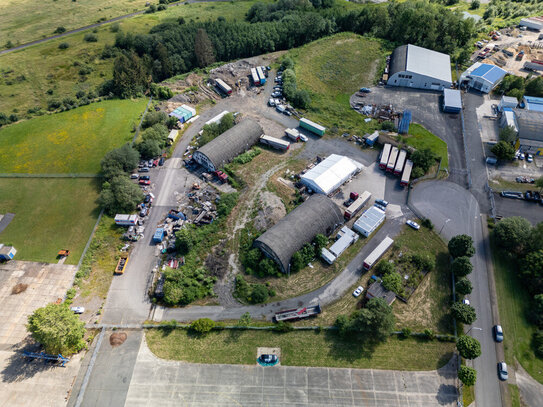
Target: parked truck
(254,77)
(299,313)
(400,162)
(392,159)
(384,156)
(261,76)
(274,142)
(121,264)
(293,134)
(126,220)
(223,86)
(312,127)
(377,253)
(357,205)
(159,235)
(406,175)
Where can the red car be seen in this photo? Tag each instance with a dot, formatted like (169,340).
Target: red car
(155,163)
(221,175)
(144,182)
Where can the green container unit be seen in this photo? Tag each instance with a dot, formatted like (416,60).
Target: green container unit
(312,127)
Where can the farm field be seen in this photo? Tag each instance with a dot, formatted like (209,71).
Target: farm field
(331,70)
(298,348)
(50,215)
(24,87)
(514,303)
(69,142)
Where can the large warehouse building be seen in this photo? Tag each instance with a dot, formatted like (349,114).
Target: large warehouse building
(228,145)
(331,173)
(319,214)
(421,68)
(482,77)
(530,130)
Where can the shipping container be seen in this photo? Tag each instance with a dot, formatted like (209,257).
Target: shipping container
(357,205)
(126,220)
(223,86)
(372,138)
(406,173)
(274,142)
(400,162)
(254,77)
(384,156)
(312,127)
(121,265)
(377,253)
(293,134)
(392,159)
(261,76)
(159,235)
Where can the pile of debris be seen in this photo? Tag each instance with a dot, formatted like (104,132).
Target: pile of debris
(232,70)
(133,233)
(379,112)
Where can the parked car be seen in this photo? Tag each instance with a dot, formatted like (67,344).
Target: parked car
(413,224)
(271,102)
(77,310)
(498,333)
(381,202)
(155,163)
(528,195)
(521,156)
(145,177)
(134,176)
(365,90)
(303,138)
(276,94)
(144,182)
(503,374)
(268,358)
(530,158)
(465,301)
(150,163)
(161,161)
(147,199)
(144,169)
(144,212)
(380,207)
(287,113)
(358,291)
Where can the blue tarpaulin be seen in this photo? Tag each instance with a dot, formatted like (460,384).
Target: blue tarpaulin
(405,121)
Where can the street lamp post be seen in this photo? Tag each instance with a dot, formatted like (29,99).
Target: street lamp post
(441,230)
(473,327)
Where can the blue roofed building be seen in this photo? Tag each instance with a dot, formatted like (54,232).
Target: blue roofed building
(183,113)
(482,77)
(532,103)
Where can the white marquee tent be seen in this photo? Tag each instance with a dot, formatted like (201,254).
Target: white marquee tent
(331,173)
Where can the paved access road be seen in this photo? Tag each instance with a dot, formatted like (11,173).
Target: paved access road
(454,211)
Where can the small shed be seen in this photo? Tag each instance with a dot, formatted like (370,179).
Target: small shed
(7,252)
(532,103)
(371,138)
(507,101)
(173,136)
(327,256)
(452,101)
(346,237)
(183,113)
(376,290)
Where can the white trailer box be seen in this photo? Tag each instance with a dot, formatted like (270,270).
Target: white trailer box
(126,220)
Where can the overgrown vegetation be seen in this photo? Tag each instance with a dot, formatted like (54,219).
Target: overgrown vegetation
(213,130)
(252,293)
(517,86)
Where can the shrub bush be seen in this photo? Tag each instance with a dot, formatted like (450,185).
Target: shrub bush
(90,38)
(202,326)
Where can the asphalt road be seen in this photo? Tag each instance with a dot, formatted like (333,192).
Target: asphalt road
(425,109)
(88,27)
(453,210)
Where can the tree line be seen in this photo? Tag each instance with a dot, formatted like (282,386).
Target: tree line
(177,47)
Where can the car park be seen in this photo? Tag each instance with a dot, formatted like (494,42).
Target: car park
(144,169)
(413,224)
(503,374)
(77,310)
(145,177)
(381,202)
(498,333)
(358,291)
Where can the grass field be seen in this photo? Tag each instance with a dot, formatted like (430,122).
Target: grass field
(69,142)
(332,69)
(57,72)
(298,348)
(419,138)
(50,215)
(514,302)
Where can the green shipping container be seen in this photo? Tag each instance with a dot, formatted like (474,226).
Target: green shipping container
(312,127)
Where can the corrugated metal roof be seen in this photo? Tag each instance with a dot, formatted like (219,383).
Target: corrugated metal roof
(429,63)
(530,124)
(491,73)
(348,238)
(330,173)
(370,219)
(533,103)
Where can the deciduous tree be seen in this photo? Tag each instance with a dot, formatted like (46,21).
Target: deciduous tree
(468,347)
(503,150)
(461,266)
(467,375)
(513,234)
(464,313)
(461,245)
(463,286)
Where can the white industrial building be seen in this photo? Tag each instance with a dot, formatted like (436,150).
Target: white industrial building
(482,77)
(369,221)
(331,173)
(421,68)
(533,23)
(345,238)
(507,101)
(508,119)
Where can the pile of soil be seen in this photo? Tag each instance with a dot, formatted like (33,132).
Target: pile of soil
(217,261)
(117,338)
(272,210)
(19,288)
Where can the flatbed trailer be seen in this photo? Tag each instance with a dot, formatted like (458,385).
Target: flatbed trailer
(298,313)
